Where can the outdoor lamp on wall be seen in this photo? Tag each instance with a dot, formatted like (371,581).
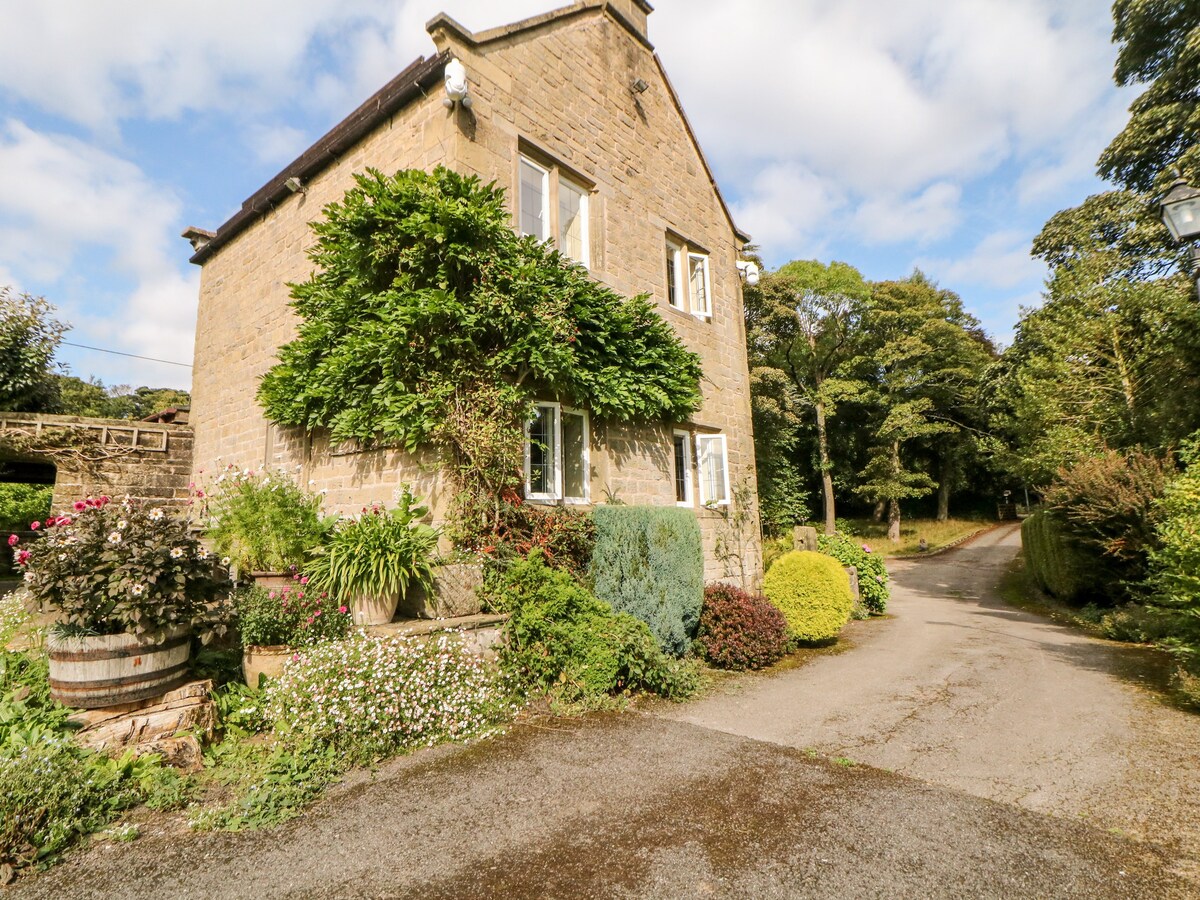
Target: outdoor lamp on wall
(748,271)
(456,85)
(1181,215)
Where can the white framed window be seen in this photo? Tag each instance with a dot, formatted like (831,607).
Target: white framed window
(556,454)
(682,445)
(573,221)
(698,285)
(534,213)
(713,469)
(675,289)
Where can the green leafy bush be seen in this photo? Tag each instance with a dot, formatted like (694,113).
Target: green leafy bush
(371,697)
(263,522)
(1056,563)
(740,630)
(813,593)
(21,504)
(379,553)
(872,574)
(565,642)
(648,562)
(1173,584)
(293,617)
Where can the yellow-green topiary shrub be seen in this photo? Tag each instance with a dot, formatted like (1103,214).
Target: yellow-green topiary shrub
(812,591)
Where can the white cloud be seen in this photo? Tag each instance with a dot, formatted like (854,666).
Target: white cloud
(1000,260)
(787,206)
(69,213)
(928,215)
(276,145)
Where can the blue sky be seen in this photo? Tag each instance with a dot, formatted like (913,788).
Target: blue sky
(932,133)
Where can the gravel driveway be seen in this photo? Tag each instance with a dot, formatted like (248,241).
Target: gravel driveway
(1025,764)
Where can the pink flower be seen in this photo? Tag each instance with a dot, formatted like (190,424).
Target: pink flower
(300,595)
(200,494)
(271,595)
(304,580)
(51,521)
(22,557)
(866,549)
(64,520)
(317,613)
(13,540)
(342,609)
(35,525)
(79,505)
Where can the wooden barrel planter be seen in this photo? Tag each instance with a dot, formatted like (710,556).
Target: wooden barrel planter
(109,670)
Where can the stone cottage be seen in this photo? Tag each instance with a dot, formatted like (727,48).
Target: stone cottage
(573,113)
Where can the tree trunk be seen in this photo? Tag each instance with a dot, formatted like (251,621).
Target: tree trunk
(943,491)
(826,473)
(878,511)
(894,503)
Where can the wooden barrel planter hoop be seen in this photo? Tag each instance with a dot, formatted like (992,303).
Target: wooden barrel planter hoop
(109,670)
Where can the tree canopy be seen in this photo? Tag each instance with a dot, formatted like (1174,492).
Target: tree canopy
(422,289)
(29,336)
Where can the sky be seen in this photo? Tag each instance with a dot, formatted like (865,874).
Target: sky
(938,134)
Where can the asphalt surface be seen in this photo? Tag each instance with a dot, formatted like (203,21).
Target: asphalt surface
(1002,729)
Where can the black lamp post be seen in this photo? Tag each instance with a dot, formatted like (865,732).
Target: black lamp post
(1181,215)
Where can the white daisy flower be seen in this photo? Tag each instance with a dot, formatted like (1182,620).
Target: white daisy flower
(114,537)
(176,552)
(137,590)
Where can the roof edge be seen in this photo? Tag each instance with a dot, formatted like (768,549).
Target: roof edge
(444,22)
(392,97)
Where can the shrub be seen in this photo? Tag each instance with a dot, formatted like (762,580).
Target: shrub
(21,504)
(371,697)
(1174,580)
(648,561)
(564,641)
(1056,563)
(813,593)
(111,568)
(739,630)
(872,574)
(263,522)
(294,617)
(379,553)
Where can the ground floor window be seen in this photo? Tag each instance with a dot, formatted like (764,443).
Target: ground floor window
(556,454)
(683,468)
(713,469)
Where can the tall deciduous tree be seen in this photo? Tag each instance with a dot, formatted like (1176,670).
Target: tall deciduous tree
(804,330)
(29,335)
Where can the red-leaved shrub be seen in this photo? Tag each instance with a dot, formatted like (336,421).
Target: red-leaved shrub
(739,630)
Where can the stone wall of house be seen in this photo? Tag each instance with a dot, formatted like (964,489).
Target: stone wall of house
(150,462)
(562,92)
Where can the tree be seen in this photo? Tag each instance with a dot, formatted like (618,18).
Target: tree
(1159,44)
(29,336)
(803,330)
(923,366)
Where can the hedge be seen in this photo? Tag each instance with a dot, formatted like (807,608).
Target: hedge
(1057,565)
(648,562)
(812,591)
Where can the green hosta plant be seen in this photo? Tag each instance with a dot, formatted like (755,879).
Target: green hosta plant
(264,522)
(380,553)
(110,568)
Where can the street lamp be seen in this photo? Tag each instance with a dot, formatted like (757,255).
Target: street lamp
(1181,215)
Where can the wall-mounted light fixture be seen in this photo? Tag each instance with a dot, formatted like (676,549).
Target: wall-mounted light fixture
(1181,215)
(456,85)
(748,270)
(639,87)
(295,185)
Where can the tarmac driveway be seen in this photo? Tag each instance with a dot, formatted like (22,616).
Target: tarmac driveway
(990,718)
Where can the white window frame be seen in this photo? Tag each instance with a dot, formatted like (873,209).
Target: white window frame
(584,233)
(675,249)
(586,460)
(706,312)
(558,489)
(548,230)
(703,440)
(689,496)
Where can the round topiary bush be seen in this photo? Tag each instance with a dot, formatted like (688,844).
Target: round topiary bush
(740,630)
(812,591)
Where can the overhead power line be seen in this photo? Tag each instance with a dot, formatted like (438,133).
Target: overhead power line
(169,362)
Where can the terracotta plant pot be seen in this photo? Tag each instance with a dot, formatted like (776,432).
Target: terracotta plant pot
(273,581)
(373,610)
(267,661)
(110,670)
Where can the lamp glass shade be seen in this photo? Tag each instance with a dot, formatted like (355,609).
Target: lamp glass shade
(1182,218)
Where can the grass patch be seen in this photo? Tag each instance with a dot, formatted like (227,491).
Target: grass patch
(936,534)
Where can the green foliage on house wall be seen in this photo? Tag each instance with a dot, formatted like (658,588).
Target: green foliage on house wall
(812,591)
(649,562)
(422,291)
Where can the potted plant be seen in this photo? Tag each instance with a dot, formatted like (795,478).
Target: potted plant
(371,560)
(130,588)
(274,624)
(264,524)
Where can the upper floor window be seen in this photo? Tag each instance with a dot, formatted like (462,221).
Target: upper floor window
(553,205)
(556,454)
(698,285)
(689,287)
(675,290)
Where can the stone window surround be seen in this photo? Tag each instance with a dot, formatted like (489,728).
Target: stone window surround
(682,251)
(556,172)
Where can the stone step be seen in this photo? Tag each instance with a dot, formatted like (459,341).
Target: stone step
(480,632)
